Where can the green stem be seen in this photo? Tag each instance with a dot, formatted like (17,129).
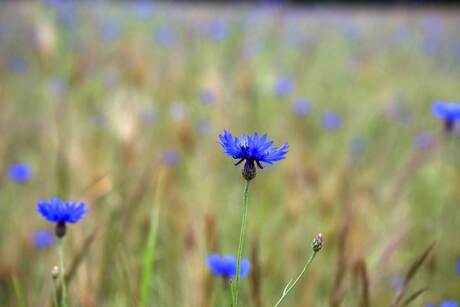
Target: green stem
(290,285)
(62,274)
(150,252)
(55,296)
(241,244)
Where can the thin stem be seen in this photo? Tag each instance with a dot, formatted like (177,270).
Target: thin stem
(55,296)
(150,251)
(241,244)
(290,285)
(61,274)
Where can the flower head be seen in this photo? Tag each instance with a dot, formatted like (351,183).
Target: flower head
(43,238)
(449,303)
(284,87)
(56,210)
(301,107)
(331,120)
(447,111)
(253,150)
(317,243)
(19,172)
(423,140)
(225,266)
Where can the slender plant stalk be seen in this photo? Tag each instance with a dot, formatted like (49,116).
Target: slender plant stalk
(291,284)
(18,291)
(244,222)
(149,252)
(62,274)
(55,296)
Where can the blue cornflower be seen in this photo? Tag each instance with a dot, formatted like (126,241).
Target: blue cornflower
(457,267)
(170,157)
(43,238)
(61,212)
(217,30)
(109,30)
(301,107)
(449,303)
(225,266)
(447,111)
(19,172)
(165,37)
(284,87)
(253,150)
(423,140)
(331,120)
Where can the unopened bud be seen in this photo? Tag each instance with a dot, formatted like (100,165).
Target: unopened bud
(55,272)
(317,243)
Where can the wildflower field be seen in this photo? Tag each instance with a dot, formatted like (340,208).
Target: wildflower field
(150,152)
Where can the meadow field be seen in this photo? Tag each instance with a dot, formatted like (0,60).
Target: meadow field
(120,105)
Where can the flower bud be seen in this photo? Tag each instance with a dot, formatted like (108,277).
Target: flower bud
(317,243)
(55,272)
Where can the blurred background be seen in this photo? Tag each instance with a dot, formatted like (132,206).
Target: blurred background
(119,104)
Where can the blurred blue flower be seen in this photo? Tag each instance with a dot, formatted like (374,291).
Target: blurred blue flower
(170,157)
(301,107)
(331,120)
(19,172)
(217,30)
(165,37)
(225,266)
(143,10)
(109,30)
(423,140)
(43,238)
(56,210)
(449,111)
(253,150)
(457,267)
(206,97)
(284,87)
(17,65)
(449,303)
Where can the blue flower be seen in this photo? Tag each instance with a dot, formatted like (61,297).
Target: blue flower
(56,210)
(19,172)
(457,267)
(109,30)
(449,111)
(423,140)
(301,107)
(225,266)
(165,37)
(217,30)
(170,157)
(253,150)
(43,238)
(284,87)
(449,303)
(331,120)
